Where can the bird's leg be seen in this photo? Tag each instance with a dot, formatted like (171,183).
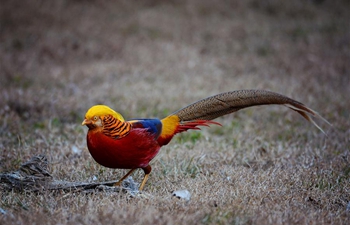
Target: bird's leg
(147,171)
(119,183)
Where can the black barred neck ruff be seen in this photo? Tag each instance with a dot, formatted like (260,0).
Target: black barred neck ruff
(115,128)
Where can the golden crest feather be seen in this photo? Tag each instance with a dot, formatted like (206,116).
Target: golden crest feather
(103,110)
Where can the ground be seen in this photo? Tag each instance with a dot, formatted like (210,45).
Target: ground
(265,165)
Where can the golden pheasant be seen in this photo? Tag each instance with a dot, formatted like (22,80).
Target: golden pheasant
(116,143)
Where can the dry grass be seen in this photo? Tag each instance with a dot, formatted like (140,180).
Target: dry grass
(266,165)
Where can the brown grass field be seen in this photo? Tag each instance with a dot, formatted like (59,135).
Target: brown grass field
(265,165)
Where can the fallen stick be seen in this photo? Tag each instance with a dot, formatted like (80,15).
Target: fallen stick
(34,176)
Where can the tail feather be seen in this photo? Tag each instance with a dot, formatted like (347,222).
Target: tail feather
(225,103)
(194,125)
(305,111)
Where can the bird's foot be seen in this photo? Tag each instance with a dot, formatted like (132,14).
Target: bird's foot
(118,184)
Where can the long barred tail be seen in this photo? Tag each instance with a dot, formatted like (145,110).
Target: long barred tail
(199,113)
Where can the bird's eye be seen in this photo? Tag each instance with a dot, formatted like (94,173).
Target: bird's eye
(95,118)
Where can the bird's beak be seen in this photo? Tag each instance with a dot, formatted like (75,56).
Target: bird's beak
(86,122)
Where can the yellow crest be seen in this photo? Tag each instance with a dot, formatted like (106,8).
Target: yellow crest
(102,110)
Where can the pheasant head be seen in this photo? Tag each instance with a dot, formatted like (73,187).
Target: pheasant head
(95,115)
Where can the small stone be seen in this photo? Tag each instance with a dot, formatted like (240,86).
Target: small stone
(182,194)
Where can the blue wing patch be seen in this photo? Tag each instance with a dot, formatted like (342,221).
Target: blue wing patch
(153,126)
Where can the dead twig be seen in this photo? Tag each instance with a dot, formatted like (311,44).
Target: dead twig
(34,176)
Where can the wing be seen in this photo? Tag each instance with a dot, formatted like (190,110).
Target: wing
(153,126)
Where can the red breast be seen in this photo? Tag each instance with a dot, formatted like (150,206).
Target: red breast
(135,150)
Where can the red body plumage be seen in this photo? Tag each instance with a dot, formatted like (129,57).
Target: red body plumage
(133,151)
